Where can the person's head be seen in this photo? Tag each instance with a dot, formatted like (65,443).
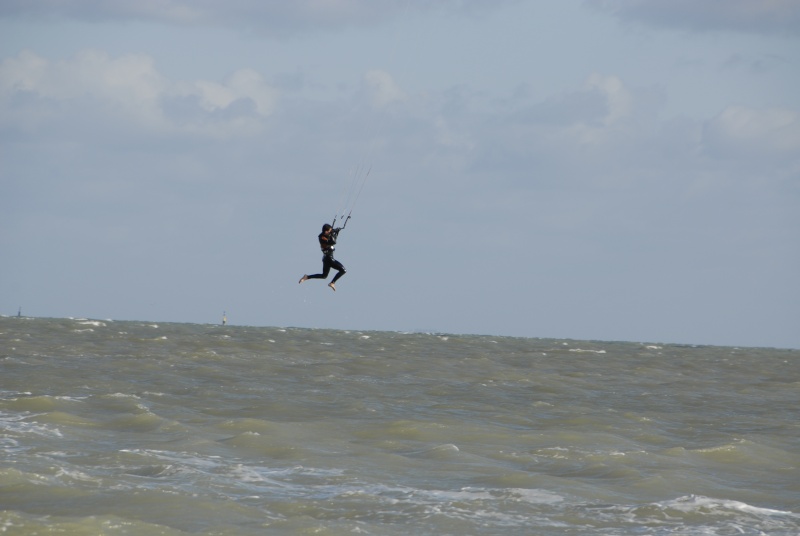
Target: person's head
(327,227)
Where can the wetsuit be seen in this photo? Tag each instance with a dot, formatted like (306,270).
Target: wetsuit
(326,243)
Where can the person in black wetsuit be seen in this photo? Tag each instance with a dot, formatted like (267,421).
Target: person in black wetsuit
(327,239)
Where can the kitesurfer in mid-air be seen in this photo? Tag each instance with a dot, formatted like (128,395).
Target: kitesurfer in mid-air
(327,239)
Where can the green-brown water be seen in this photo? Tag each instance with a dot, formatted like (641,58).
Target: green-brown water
(144,428)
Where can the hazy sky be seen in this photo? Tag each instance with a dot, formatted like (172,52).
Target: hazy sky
(609,169)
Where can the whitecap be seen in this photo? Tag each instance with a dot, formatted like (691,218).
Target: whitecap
(21,424)
(76,475)
(94,323)
(121,395)
(693,503)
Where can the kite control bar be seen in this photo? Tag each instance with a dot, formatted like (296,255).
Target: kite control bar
(345,221)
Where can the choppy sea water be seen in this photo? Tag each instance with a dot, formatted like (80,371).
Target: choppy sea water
(141,428)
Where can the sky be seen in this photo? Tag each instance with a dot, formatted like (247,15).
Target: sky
(621,170)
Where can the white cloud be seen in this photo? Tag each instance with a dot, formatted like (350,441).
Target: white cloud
(125,79)
(618,109)
(24,73)
(603,114)
(130,87)
(243,84)
(382,88)
(757,16)
(617,96)
(741,132)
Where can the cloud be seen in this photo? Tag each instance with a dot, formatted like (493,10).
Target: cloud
(762,16)
(618,108)
(273,17)
(598,116)
(740,132)
(128,78)
(382,88)
(243,84)
(605,133)
(131,89)
(610,136)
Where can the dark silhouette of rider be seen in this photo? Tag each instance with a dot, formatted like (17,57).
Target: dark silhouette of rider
(327,239)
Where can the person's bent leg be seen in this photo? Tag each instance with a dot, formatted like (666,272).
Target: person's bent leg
(340,269)
(326,269)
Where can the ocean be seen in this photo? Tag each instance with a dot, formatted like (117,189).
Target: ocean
(149,428)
